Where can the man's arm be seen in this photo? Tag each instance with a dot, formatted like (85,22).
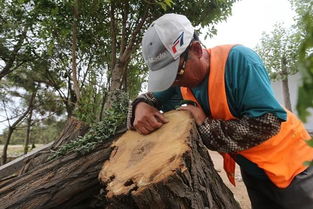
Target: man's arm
(143,115)
(147,98)
(234,135)
(238,134)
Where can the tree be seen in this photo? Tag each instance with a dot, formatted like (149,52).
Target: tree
(304,23)
(83,52)
(279,53)
(16,23)
(88,43)
(14,125)
(128,19)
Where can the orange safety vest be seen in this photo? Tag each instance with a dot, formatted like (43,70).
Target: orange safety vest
(282,156)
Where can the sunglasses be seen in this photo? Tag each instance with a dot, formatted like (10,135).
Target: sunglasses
(181,68)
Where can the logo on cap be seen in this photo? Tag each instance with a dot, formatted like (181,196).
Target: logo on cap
(179,41)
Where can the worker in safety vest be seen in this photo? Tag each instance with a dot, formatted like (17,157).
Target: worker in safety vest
(232,102)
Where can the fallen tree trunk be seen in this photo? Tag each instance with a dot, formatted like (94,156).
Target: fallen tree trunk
(61,183)
(170,168)
(71,181)
(34,182)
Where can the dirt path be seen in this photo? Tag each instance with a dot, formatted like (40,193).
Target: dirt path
(239,191)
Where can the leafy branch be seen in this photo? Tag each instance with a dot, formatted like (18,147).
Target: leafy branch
(114,118)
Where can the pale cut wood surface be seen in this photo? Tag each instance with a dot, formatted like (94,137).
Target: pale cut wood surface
(145,160)
(167,169)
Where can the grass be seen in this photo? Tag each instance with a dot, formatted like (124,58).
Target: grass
(16,150)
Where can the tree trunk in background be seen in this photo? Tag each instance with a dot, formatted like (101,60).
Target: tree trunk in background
(169,168)
(14,125)
(103,99)
(116,84)
(6,145)
(285,85)
(27,139)
(286,94)
(126,43)
(74,51)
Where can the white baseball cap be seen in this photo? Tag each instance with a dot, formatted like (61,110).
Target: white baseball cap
(162,45)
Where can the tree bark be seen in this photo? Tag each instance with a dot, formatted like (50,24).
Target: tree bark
(285,85)
(286,94)
(6,145)
(27,139)
(62,183)
(169,168)
(119,65)
(74,50)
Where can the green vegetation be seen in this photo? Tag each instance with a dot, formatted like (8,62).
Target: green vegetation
(305,98)
(304,10)
(279,51)
(115,118)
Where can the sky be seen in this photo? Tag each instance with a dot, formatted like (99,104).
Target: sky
(249,19)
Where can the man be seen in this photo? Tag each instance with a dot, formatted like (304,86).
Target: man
(234,109)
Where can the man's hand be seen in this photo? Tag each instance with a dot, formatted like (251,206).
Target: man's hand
(147,118)
(196,112)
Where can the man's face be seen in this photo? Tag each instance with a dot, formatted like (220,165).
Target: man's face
(191,69)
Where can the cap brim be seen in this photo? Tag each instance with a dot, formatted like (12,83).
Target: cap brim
(162,79)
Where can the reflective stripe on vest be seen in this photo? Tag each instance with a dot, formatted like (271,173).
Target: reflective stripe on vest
(280,156)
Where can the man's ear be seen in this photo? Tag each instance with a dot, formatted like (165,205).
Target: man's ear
(196,48)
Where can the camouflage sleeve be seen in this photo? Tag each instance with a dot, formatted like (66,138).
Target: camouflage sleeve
(238,134)
(147,98)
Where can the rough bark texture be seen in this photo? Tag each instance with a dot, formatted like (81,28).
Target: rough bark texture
(62,183)
(170,168)
(286,94)
(59,184)
(285,85)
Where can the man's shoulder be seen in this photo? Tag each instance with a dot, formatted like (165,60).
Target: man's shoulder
(235,49)
(241,49)
(243,54)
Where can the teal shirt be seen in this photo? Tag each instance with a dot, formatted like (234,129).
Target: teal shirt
(248,92)
(248,88)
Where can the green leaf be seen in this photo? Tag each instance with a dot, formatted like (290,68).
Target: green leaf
(310,142)
(308,163)
(168,2)
(115,117)
(163,5)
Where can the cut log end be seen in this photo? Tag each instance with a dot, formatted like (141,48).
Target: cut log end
(138,161)
(169,168)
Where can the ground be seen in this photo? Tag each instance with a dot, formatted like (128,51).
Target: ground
(239,191)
